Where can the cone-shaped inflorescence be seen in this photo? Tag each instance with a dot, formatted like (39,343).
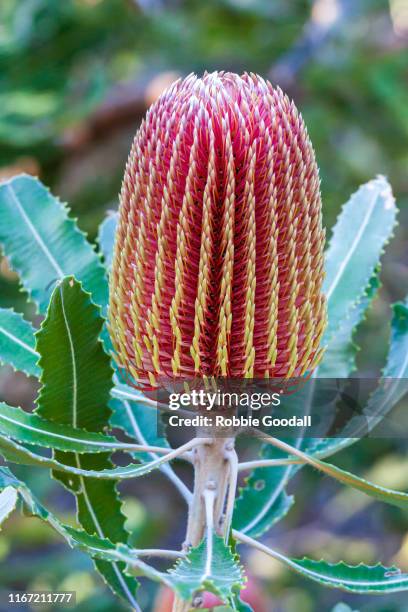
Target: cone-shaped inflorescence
(218,261)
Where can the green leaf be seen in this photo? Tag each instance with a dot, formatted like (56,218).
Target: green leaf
(77,378)
(16,453)
(100,548)
(373,580)
(17,344)
(106,237)
(221,575)
(263,501)
(362,230)
(396,368)
(354,578)
(389,496)
(43,244)
(32,429)
(339,359)
(8,502)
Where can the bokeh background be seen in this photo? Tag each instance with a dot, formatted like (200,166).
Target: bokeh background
(76,77)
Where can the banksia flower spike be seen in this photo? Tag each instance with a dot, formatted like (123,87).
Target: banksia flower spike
(218,261)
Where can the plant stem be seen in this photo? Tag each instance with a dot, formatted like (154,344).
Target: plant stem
(158,552)
(212,472)
(250,465)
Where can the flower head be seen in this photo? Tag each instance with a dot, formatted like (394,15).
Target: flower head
(218,262)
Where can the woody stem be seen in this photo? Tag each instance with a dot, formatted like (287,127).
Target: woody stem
(214,465)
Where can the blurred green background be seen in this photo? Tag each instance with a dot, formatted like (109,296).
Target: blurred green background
(76,77)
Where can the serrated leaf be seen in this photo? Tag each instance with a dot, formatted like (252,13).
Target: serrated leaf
(43,244)
(32,429)
(263,501)
(76,373)
(223,577)
(8,502)
(100,548)
(339,359)
(17,453)
(77,378)
(17,344)
(361,578)
(106,237)
(392,388)
(396,368)
(362,230)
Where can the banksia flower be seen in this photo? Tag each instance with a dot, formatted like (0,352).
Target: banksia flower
(218,262)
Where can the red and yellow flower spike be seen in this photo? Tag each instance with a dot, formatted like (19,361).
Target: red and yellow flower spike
(218,263)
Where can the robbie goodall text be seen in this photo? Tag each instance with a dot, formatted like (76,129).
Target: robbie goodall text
(241,421)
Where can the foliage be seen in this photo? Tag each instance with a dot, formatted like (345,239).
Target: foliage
(81,405)
(65,69)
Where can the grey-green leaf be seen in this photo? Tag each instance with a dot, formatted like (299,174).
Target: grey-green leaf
(16,453)
(8,502)
(362,230)
(43,244)
(17,344)
(106,237)
(392,387)
(374,580)
(225,578)
(263,501)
